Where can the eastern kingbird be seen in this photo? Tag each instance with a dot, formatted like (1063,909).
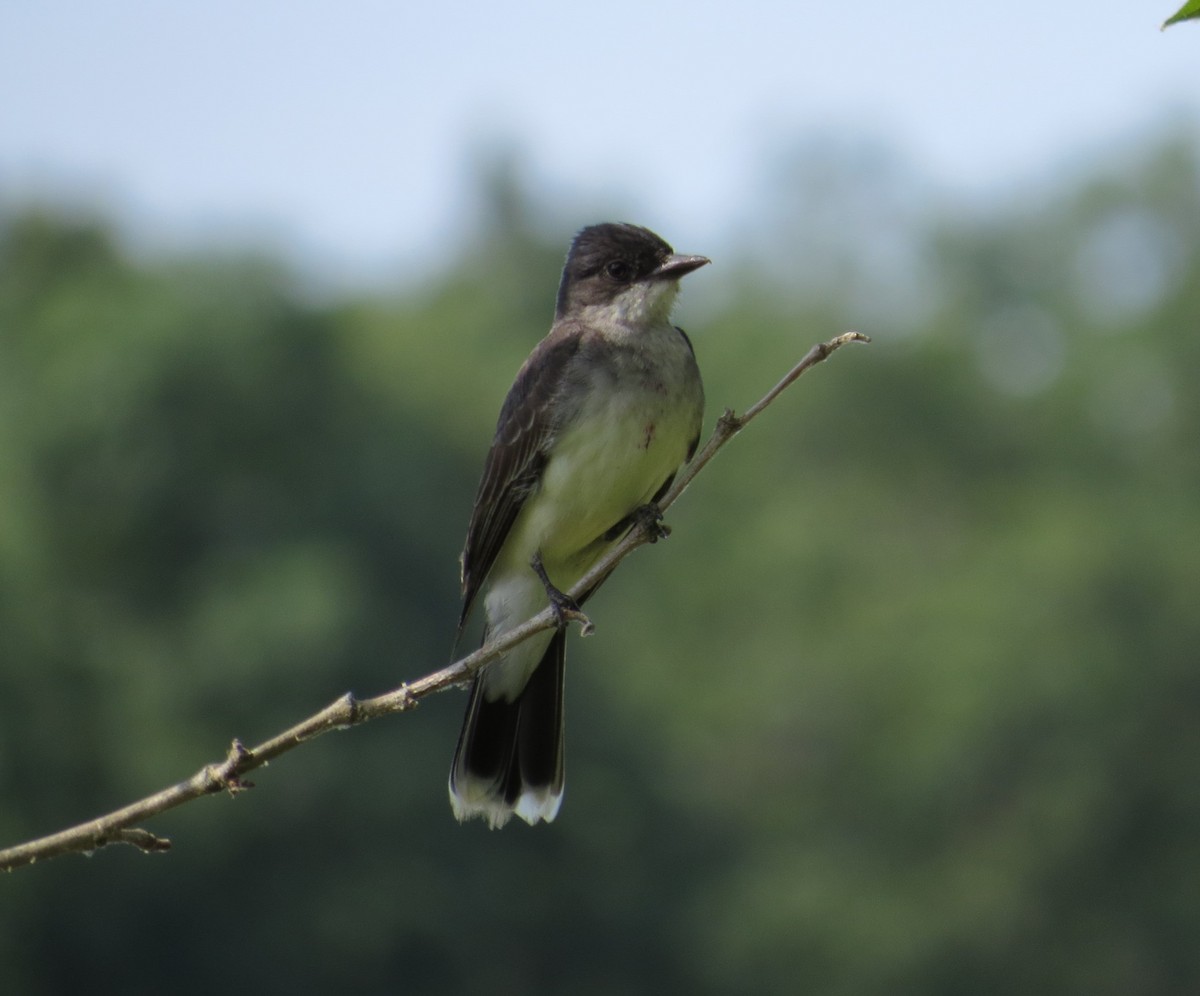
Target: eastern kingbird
(602,414)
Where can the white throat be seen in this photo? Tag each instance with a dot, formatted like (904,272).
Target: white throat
(640,305)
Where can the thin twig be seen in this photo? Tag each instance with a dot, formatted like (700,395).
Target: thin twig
(120,827)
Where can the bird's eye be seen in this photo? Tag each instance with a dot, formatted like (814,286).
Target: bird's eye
(619,270)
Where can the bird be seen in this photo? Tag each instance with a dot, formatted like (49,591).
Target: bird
(602,415)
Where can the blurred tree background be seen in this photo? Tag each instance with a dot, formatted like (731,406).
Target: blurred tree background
(909,703)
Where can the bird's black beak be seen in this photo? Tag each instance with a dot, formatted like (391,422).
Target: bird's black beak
(677,265)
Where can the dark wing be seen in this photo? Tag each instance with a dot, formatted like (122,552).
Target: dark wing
(695,442)
(518,455)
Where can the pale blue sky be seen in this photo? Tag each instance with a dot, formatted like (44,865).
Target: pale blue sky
(346,129)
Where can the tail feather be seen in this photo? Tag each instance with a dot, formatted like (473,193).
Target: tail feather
(510,754)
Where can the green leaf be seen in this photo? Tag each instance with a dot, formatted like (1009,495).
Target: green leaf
(1187,12)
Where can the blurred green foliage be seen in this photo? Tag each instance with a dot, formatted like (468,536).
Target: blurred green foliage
(908,704)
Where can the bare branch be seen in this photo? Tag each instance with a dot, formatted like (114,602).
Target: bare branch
(121,826)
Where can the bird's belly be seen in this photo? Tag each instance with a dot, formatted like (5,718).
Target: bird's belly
(613,459)
(609,463)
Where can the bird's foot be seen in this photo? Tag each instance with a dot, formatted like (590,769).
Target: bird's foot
(649,518)
(565,608)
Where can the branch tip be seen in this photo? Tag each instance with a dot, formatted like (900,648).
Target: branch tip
(143,840)
(586,626)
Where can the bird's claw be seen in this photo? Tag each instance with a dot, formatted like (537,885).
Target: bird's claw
(649,518)
(565,608)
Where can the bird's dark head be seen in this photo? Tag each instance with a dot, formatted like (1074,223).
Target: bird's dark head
(622,273)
